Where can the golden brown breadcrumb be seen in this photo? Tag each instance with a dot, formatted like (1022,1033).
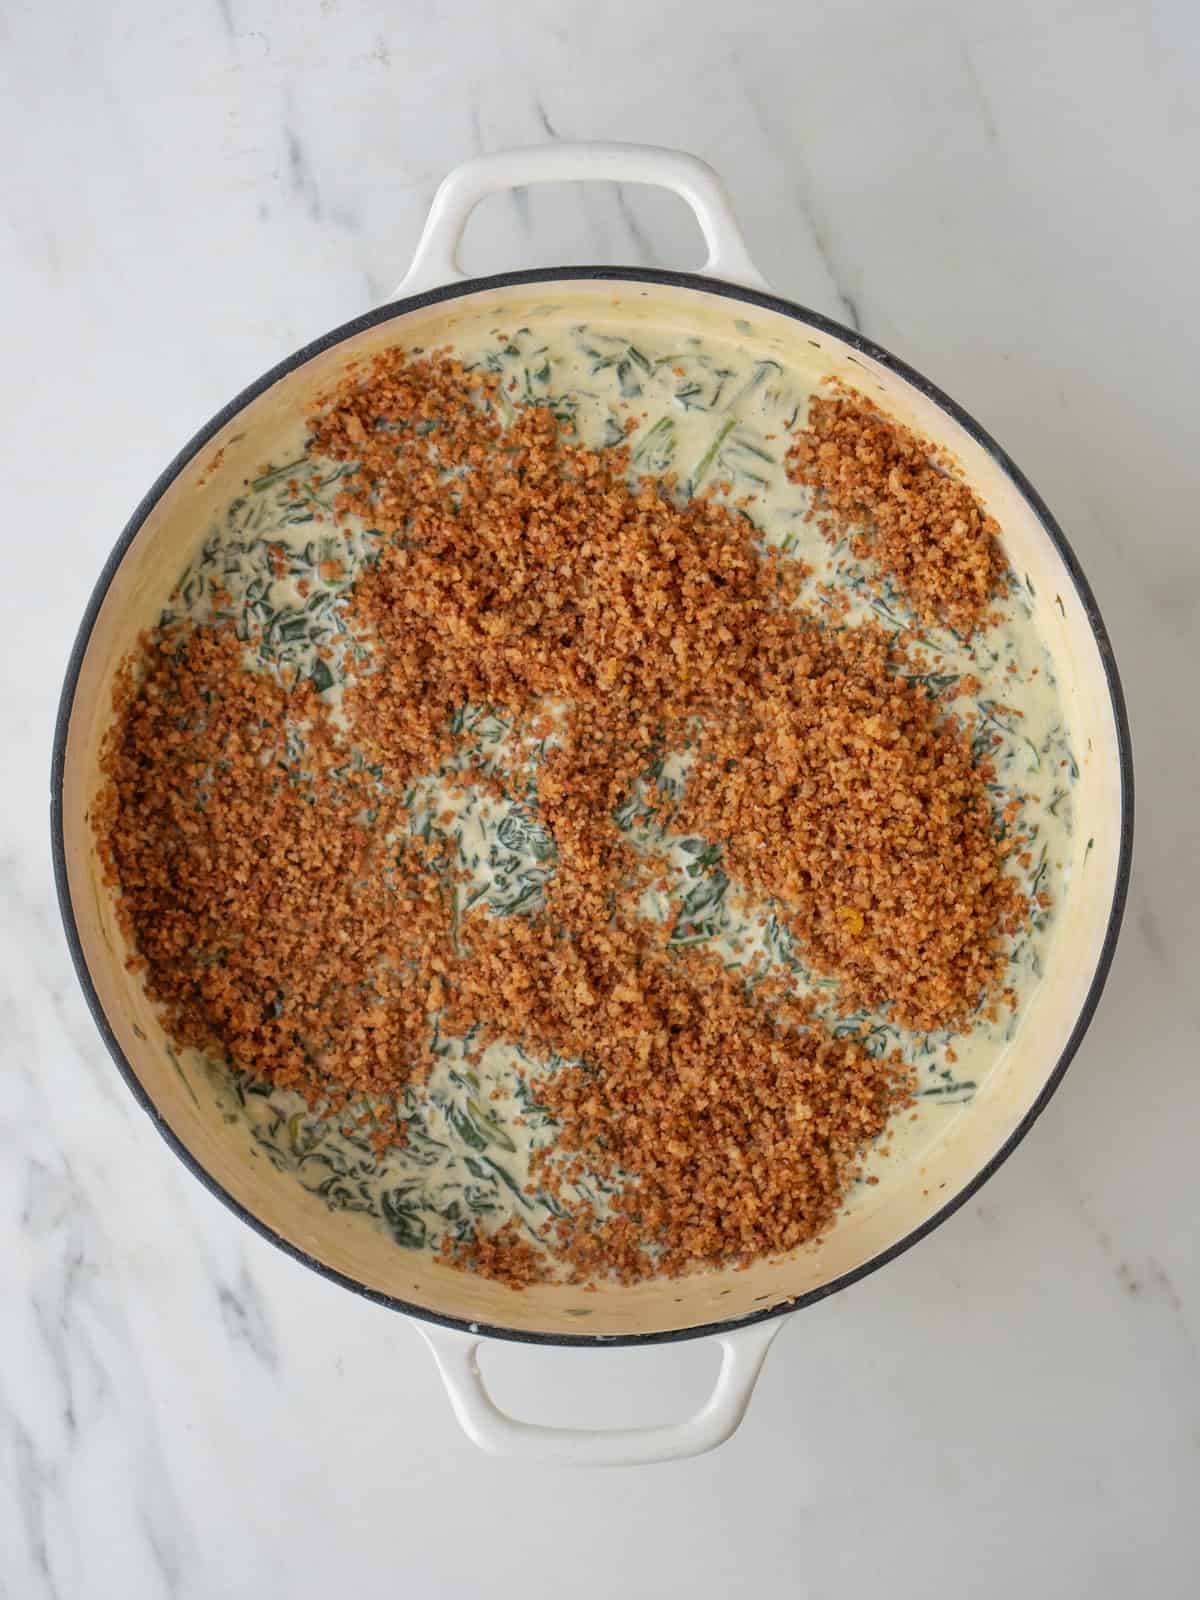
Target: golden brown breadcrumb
(902,507)
(286,918)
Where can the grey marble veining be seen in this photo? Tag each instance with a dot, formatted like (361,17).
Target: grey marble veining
(1006,197)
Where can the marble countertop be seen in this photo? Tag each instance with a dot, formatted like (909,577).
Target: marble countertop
(1006,197)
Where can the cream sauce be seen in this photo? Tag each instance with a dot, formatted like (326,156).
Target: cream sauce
(712,412)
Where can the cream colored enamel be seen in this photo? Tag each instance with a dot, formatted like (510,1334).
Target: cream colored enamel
(160,551)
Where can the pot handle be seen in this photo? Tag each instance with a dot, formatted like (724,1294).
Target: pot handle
(436,259)
(743,1351)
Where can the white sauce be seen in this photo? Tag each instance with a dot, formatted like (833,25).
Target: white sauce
(709,411)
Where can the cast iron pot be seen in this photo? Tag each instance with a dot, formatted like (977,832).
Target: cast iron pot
(742,1310)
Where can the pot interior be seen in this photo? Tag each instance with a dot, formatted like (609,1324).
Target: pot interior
(928,1171)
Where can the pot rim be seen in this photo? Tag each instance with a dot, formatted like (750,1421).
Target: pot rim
(668,279)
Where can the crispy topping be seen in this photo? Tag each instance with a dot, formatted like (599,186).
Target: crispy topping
(902,508)
(287,918)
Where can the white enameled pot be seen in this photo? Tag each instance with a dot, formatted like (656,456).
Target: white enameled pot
(740,1309)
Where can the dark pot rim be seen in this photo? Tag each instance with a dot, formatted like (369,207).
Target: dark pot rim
(676,280)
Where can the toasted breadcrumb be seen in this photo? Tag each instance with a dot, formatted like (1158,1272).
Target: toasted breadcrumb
(903,509)
(279,924)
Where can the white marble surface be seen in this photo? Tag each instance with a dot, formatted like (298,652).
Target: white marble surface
(1005,195)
